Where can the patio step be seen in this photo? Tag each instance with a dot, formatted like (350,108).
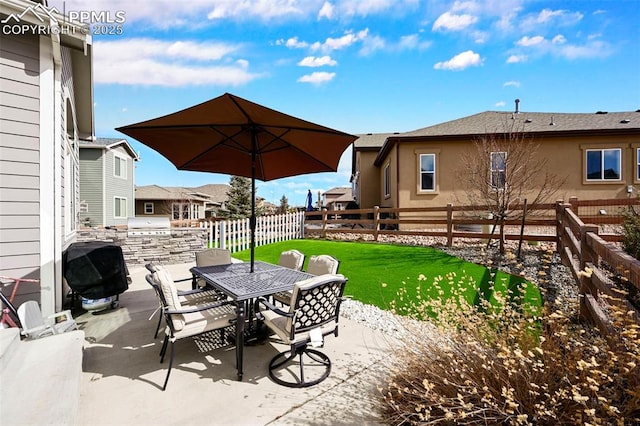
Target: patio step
(40,378)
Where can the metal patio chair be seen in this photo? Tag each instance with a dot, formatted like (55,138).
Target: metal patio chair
(312,315)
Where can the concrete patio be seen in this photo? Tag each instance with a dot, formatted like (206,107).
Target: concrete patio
(121,376)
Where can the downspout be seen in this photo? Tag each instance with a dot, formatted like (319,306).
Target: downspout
(397,203)
(51,275)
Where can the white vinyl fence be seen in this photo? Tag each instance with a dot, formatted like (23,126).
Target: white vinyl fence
(235,235)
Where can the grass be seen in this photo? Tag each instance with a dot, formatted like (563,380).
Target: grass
(378,272)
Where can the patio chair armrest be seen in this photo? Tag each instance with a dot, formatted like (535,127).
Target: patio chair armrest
(198,308)
(38,329)
(188,292)
(270,306)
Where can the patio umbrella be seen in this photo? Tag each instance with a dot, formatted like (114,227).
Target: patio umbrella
(232,135)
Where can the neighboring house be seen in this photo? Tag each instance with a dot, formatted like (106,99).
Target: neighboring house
(337,198)
(46,110)
(597,153)
(107,190)
(180,202)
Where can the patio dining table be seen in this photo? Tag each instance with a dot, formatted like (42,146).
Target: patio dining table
(243,286)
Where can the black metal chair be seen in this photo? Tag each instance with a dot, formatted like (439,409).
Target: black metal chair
(188,321)
(318,265)
(313,313)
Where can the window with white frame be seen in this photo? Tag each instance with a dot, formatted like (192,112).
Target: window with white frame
(604,164)
(148,208)
(120,166)
(498,169)
(181,211)
(387,183)
(427,172)
(637,163)
(119,207)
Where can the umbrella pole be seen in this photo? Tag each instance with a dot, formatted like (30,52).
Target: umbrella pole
(252,220)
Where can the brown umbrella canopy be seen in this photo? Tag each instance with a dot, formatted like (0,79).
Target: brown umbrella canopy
(231,135)
(221,135)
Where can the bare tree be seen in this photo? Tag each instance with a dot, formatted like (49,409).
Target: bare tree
(502,170)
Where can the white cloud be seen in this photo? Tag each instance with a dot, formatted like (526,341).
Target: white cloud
(167,14)
(560,46)
(326,11)
(596,49)
(453,22)
(530,41)
(165,63)
(412,41)
(460,61)
(313,61)
(372,44)
(317,77)
(559,39)
(512,84)
(346,40)
(500,104)
(292,43)
(550,18)
(514,59)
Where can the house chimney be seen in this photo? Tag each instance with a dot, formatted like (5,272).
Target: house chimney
(517,106)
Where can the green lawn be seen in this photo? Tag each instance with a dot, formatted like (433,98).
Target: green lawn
(377,271)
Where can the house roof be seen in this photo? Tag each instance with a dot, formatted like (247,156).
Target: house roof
(109,143)
(338,190)
(371,140)
(533,123)
(207,193)
(216,191)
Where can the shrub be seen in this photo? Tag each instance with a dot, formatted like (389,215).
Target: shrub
(499,362)
(631,233)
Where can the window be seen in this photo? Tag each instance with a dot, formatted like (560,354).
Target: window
(148,208)
(119,208)
(427,172)
(180,211)
(120,167)
(498,169)
(604,164)
(637,163)
(387,184)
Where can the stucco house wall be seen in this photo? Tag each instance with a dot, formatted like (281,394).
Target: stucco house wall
(563,145)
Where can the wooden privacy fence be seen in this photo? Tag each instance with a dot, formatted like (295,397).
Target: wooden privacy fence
(235,235)
(586,254)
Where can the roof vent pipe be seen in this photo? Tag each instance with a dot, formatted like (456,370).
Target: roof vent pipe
(517,106)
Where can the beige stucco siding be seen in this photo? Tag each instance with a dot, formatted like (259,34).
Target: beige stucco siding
(565,157)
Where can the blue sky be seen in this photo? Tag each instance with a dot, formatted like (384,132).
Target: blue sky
(360,66)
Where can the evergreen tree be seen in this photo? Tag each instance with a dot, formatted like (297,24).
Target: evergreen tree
(238,204)
(284,205)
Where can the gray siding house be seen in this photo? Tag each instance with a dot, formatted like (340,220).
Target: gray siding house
(46,109)
(107,191)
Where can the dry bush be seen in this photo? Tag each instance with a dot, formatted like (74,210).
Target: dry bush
(465,363)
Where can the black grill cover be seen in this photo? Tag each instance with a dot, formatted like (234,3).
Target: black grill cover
(95,269)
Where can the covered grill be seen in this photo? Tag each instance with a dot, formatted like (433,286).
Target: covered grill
(95,269)
(148,226)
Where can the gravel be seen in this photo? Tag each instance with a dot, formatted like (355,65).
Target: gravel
(538,263)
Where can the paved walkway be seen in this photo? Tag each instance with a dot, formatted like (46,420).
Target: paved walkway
(122,376)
